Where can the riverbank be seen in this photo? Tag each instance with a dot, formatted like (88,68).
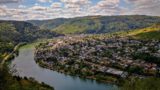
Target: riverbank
(27,67)
(8,82)
(99,77)
(11,55)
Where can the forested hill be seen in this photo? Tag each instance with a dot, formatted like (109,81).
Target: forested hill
(97,24)
(18,31)
(14,32)
(49,24)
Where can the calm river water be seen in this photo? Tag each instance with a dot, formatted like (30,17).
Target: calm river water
(26,66)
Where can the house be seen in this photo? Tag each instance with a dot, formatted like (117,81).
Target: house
(116,72)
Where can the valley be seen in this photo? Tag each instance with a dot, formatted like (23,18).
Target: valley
(95,52)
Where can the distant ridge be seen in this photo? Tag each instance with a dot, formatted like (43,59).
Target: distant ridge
(97,24)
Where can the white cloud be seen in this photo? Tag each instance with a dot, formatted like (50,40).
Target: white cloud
(72,6)
(56,5)
(21,6)
(146,7)
(2,12)
(44,1)
(108,3)
(76,8)
(80,2)
(39,8)
(106,7)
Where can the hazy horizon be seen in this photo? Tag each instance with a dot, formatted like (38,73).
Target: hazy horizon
(75,17)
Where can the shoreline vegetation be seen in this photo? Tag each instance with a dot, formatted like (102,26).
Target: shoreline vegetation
(16,82)
(113,80)
(12,54)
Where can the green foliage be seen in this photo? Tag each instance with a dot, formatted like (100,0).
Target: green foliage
(6,47)
(8,32)
(154,35)
(149,33)
(48,24)
(147,57)
(78,26)
(142,84)
(101,24)
(14,31)
(7,82)
(135,69)
(11,33)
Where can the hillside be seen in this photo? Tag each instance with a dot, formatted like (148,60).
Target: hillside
(48,24)
(13,32)
(22,31)
(106,24)
(97,24)
(149,33)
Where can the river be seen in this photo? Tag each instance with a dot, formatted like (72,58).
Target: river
(25,65)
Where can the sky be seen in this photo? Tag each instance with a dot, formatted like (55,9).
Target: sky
(50,9)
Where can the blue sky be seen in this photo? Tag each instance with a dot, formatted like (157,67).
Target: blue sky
(50,9)
(29,3)
(32,2)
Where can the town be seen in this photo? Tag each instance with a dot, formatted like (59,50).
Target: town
(88,56)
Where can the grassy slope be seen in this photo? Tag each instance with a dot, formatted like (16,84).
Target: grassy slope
(78,26)
(149,33)
(152,32)
(105,24)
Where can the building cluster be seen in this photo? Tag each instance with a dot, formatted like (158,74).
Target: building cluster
(116,56)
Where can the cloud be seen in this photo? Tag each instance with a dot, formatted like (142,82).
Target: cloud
(56,5)
(38,8)
(146,7)
(21,6)
(44,1)
(9,1)
(70,4)
(106,7)
(10,10)
(108,3)
(2,12)
(79,2)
